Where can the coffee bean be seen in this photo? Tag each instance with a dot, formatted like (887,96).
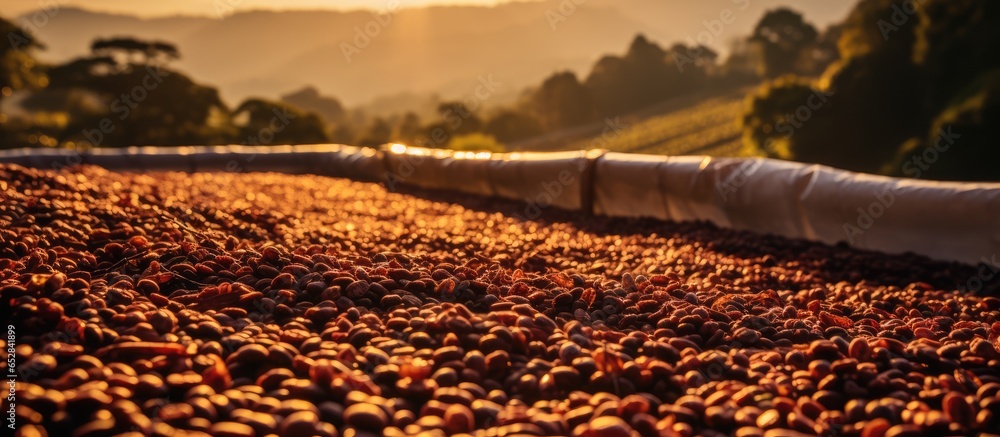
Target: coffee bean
(366,416)
(299,423)
(769,419)
(230,429)
(957,409)
(459,418)
(609,426)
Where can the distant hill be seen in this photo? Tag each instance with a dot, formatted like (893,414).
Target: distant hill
(439,50)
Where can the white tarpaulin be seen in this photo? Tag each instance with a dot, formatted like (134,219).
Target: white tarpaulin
(689,190)
(42,158)
(357,163)
(761,195)
(539,179)
(944,220)
(143,158)
(438,169)
(351,162)
(560,179)
(629,186)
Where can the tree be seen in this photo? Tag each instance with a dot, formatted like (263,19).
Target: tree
(135,50)
(741,67)
(916,82)
(865,106)
(343,133)
(563,102)
(378,133)
(956,45)
(145,103)
(767,123)
(18,68)
(701,57)
(869,29)
(784,39)
(608,86)
(825,51)
(435,135)
(19,71)
(459,119)
(309,99)
(409,129)
(508,126)
(956,42)
(265,122)
(647,74)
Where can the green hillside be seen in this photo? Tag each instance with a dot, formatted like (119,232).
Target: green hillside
(707,127)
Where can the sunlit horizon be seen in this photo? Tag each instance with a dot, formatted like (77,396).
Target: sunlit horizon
(214,8)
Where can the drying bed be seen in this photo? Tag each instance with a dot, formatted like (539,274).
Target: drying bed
(233,304)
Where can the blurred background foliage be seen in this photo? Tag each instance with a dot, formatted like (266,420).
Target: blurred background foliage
(873,93)
(909,72)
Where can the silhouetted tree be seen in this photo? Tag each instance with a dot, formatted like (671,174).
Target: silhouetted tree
(343,133)
(459,119)
(146,103)
(378,133)
(700,57)
(18,67)
(864,30)
(19,70)
(784,39)
(135,50)
(309,99)
(825,51)
(409,129)
(264,122)
(607,85)
(508,126)
(742,64)
(563,102)
(647,74)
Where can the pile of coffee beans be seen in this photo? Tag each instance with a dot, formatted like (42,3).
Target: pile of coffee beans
(229,304)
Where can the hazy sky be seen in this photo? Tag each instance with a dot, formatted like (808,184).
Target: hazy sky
(151,8)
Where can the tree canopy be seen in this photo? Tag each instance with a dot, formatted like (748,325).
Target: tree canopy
(784,39)
(18,67)
(647,74)
(310,99)
(145,102)
(263,122)
(563,102)
(907,71)
(146,51)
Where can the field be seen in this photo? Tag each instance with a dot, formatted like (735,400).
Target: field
(706,127)
(238,305)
